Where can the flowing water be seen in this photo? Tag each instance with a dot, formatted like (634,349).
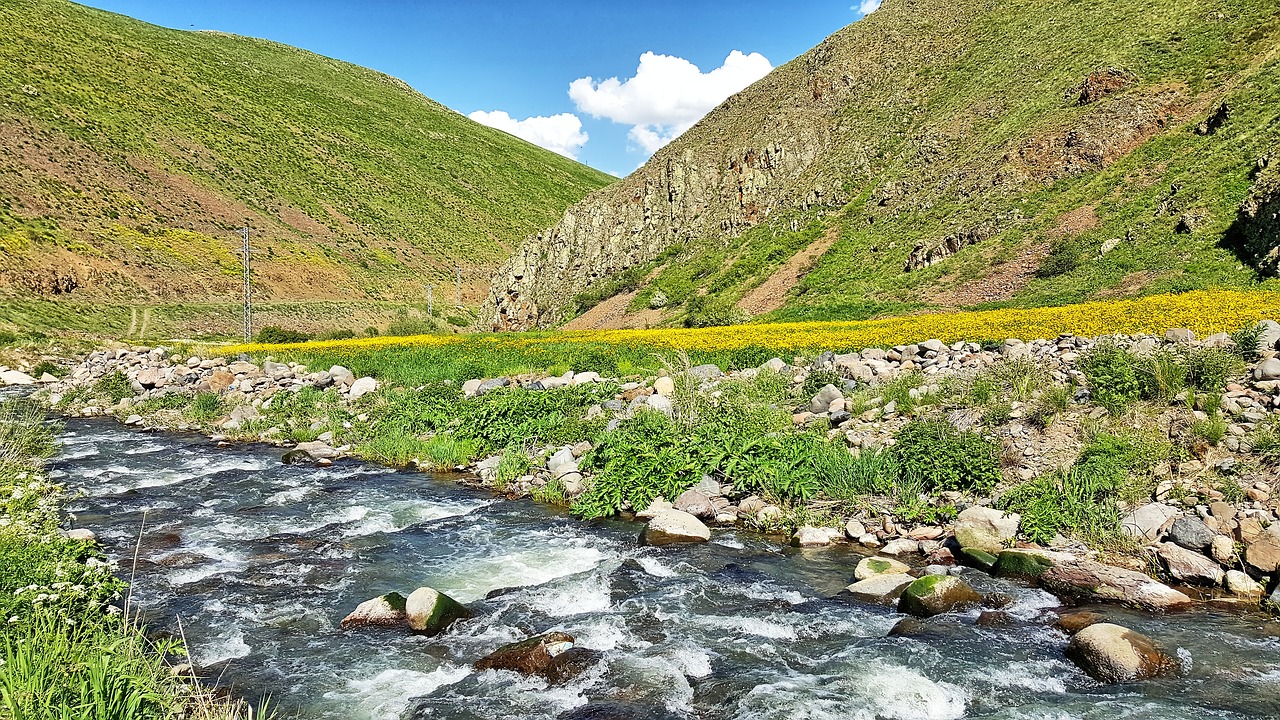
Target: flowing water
(259,562)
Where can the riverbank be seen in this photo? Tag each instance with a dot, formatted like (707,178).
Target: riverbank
(1144,453)
(71,642)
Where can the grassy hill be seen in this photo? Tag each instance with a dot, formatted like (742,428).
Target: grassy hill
(958,154)
(130,153)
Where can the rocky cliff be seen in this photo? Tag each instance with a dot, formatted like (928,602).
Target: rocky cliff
(956,140)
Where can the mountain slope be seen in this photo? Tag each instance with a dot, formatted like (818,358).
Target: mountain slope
(129,154)
(942,154)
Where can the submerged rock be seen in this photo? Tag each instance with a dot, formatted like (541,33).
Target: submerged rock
(384,611)
(552,656)
(1114,654)
(429,611)
(1073,622)
(674,526)
(937,594)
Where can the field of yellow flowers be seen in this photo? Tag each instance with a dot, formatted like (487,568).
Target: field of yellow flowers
(1205,312)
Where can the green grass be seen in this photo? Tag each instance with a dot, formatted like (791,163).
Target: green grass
(367,183)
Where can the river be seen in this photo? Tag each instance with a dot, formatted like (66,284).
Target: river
(259,561)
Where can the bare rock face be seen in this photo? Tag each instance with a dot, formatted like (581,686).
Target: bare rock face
(1114,654)
(1257,224)
(1101,83)
(384,611)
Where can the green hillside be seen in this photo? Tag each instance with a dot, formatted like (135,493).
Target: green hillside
(129,154)
(946,154)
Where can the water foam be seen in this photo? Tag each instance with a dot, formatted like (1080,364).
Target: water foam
(386,696)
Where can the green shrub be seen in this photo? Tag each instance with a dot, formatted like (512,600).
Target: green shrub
(457,321)
(1212,429)
(406,326)
(640,460)
(913,505)
(852,477)
(898,390)
(1163,375)
(1050,404)
(52,368)
(514,464)
(1112,377)
(1064,256)
(509,416)
(371,331)
(446,452)
(205,406)
(8,337)
(997,415)
(553,493)
(275,335)
(749,357)
(115,386)
(1209,368)
(339,334)
(936,454)
(708,311)
(1248,341)
(819,379)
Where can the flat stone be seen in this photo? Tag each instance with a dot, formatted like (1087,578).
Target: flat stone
(882,589)
(14,377)
(1089,581)
(1263,553)
(872,566)
(901,546)
(811,536)
(1147,523)
(1189,566)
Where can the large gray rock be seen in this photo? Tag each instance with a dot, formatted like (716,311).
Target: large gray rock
(706,372)
(1189,566)
(883,589)
(674,526)
(937,594)
(362,387)
(1114,654)
(695,503)
(384,611)
(822,401)
(986,529)
(1191,533)
(1147,523)
(1269,339)
(429,611)
(1089,581)
(317,450)
(1267,369)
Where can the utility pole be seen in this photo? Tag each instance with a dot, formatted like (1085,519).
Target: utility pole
(248,310)
(430,310)
(459,271)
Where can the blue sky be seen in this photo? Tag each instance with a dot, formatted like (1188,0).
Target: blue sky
(511,61)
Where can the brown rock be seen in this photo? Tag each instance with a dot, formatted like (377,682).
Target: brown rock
(1091,581)
(1189,566)
(552,656)
(221,380)
(1264,553)
(1073,622)
(1114,654)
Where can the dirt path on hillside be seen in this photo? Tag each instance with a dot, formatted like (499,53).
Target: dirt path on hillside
(770,294)
(1002,283)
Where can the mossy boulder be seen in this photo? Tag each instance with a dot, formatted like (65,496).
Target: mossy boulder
(383,611)
(937,594)
(975,557)
(1022,564)
(429,611)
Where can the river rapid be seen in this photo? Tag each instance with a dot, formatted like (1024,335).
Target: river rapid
(259,561)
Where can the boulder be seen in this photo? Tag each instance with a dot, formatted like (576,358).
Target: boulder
(1179,335)
(980,559)
(1027,563)
(429,611)
(317,450)
(82,534)
(1223,549)
(552,656)
(1241,585)
(362,387)
(664,386)
(1147,523)
(1191,533)
(937,594)
(1114,654)
(881,589)
(811,536)
(1189,566)
(1090,581)
(1263,553)
(986,528)
(151,377)
(489,385)
(656,506)
(901,546)
(696,504)
(220,380)
(776,365)
(384,611)
(822,401)
(1267,369)
(854,529)
(706,372)
(660,403)
(471,387)
(674,526)
(1270,336)
(872,566)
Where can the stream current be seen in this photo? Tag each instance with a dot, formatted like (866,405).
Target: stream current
(259,561)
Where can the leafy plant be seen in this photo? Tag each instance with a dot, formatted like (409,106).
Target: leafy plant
(115,386)
(205,406)
(1113,380)
(515,462)
(1212,429)
(1163,375)
(1248,340)
(275,335)
(943,458)
(1064,256)
(48,367)
(1209,368)
(819,379)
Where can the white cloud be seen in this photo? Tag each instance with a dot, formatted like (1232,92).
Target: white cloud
(866,7)
(559,133)
(667,95)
